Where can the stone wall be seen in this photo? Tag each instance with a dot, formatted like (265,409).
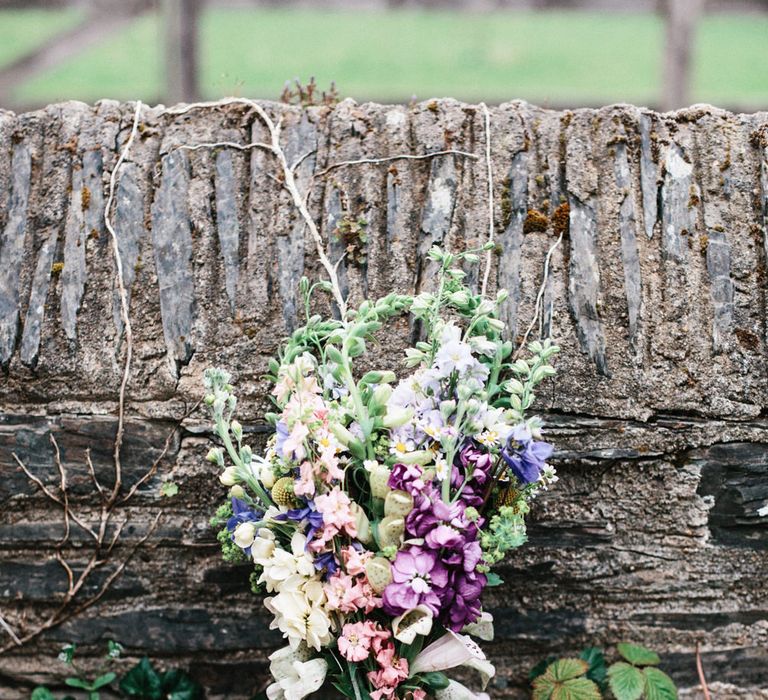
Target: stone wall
(657,296)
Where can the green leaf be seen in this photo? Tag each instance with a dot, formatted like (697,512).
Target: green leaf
(177,685)
(103,680)
(169,489)
(142,681)
(493,579)
(658,685)
(543,687)
(597,667)
(42,693)
(626,681)
(435,680)
(565,669)
(637,655)
(577,689)
(78,683)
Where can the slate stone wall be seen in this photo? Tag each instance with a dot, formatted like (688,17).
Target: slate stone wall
(657,296)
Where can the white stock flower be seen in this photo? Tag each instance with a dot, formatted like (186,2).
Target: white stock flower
(244,534)
(298,619)
(295,676)
(228,477)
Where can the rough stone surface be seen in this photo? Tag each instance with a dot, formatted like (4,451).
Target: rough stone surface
(657,296)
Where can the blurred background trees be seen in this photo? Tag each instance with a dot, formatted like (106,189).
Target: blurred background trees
(559,53)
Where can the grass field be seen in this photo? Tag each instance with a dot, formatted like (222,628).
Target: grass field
(549,58)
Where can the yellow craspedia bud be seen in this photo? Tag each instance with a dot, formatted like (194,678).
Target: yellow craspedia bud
(282,493)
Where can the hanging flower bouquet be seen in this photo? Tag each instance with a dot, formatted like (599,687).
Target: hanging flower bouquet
(380,506)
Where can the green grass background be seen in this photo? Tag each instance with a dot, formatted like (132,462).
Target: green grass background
(547,57)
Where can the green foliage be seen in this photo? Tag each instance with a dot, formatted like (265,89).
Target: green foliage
(145,683)
(169,489)
(506,531)
(598,670)
(435,680)
(564,679)
(229,550)
(635,677)
(142,681)
(625,681)
(637,655)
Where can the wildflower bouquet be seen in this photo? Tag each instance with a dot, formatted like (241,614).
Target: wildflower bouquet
(380,506)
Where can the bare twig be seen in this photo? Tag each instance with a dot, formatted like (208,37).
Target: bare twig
(153,469)
(390,159)
(537,309)
(92,472)
(700,670)
(221,144)
(124,315)
(489,167)
(10,631)
(63,488)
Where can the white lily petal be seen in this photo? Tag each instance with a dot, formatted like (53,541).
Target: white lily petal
(482,629)
(449,651)
(457,691)
(412,623)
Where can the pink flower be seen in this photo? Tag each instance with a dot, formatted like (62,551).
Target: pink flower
(294,443)
(355,642)
(305,484)
(354,561)
(335,507)
(337,592)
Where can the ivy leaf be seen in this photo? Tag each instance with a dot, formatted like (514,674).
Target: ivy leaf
(566,669)
(169,489)
(177,685)
(103,680)
(577,689)
(42,693)
(142,681)
(658,685)
(543,687)
(493,579)
(435,680)
(626,681)
(597,667)
(637,655)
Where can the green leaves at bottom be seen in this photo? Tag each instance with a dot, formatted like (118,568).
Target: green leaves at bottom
(637,655)
(563,680)
(435,680)
(626,681)
(142,681)
(658,685)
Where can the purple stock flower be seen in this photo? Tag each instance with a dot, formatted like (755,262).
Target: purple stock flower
(406,477)
(474,467)
(461,604)
(418,578)
(525,456)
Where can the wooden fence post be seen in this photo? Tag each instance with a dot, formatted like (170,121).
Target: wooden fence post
(682,16)
(181,54)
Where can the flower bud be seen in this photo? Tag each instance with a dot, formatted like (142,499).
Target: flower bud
(237,491)
(379,476)
(228,477)
(496,324)
(237,430)
(267,475)
(398,504)
(246,454)
(447,408)
(362,524)
(397,417)
(381,394)
(244,534)
(391,531)
(379,573)
(216,456)
(459,298)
